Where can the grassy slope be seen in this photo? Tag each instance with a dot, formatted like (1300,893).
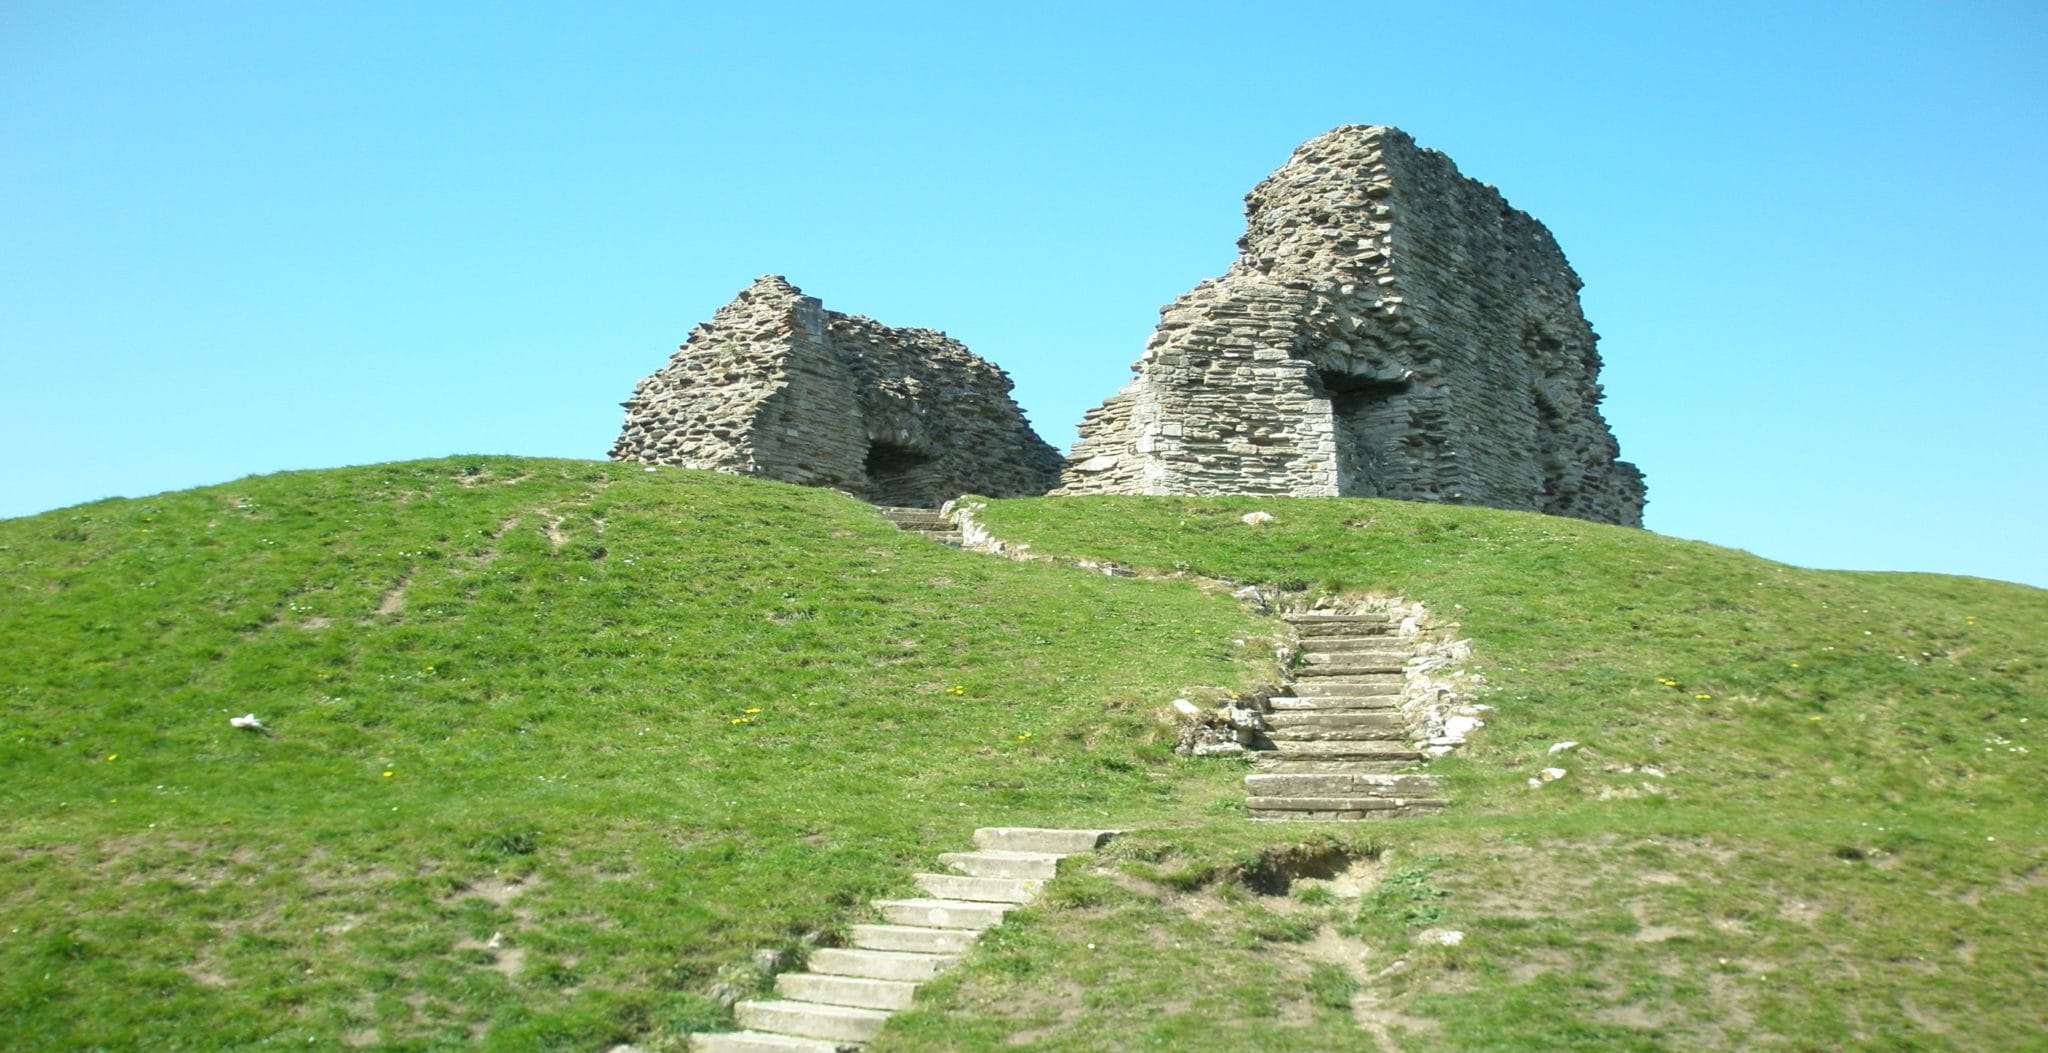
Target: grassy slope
(558,718)
(1846,849)
(544,742)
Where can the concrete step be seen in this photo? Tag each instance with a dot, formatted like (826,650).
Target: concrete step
(859,991)
(1378,657)
(943,913)
(1386,703)
(1031,865)
(763,1042)
(811,1019)
(1346,750)
(1351,668)
(1040,839)
(1342,784)
(980,889)
(879,965)
(917,939)
(1395,732)
(1307,625)
(1266,762)
(1406,809)
(1341,644)
(1325,718)
(1358,686)
(1321,804)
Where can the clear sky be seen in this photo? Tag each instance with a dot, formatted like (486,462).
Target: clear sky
(237,238)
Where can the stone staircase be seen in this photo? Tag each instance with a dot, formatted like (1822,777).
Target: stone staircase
(1334,749)
(925,521)
(846,994)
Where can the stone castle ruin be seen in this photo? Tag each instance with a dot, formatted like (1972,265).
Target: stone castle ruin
(775,385)
(1390,328)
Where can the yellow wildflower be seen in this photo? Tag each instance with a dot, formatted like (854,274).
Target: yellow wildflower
(1702,696)
(111,756)
(387,775)
(751,712)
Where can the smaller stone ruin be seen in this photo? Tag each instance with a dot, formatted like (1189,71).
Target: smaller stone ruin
(774,385)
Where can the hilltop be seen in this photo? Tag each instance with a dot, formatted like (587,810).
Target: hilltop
(553,747)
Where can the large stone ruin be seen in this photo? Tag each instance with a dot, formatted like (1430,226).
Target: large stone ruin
(775,385)
(1391,328)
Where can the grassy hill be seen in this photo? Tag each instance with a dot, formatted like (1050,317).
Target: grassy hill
(553,747)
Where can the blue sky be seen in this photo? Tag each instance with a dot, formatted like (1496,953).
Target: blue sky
(238,238)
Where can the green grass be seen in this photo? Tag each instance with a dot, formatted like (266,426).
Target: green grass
(639,725)
(1845,849)
(710,715)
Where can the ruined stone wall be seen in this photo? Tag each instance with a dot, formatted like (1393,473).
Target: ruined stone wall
(775,385)
(1390,328)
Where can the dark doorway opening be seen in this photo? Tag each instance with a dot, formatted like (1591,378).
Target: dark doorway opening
(1367,415)
(899,475)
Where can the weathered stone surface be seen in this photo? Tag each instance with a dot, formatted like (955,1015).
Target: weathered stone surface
(1391,329)
(775,385)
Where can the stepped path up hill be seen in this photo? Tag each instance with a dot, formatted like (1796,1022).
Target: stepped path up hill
(845,994)
(926,521)
(1334,749)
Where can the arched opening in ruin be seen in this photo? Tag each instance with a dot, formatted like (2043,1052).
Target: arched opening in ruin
(899,475)
(1368,416)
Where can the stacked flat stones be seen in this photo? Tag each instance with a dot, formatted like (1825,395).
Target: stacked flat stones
(1335,747)
(926,522)
(1391,328)
(845,995)
(774,385)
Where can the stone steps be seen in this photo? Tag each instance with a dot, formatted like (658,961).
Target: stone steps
(1373,750)
(1343,784)
(811,1019)
(1351,666)
(764,1042)
(925,521)
(1033,839)
(1266,762)
(1354,656)
(1039,865)
(1334,748)
(919,939)
(846,994)
(1389,701)
(861,992)
(942,913)
(1337,718)
(1352,644)
(1310,626)
(1327,687)
(1335,811)
(1340,733)
(985,889)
